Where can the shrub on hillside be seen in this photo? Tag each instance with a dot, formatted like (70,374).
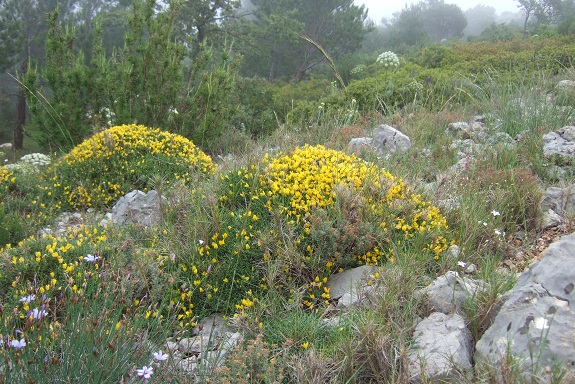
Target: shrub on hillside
(122,158)
(284,225)
(410,84)
(292,221)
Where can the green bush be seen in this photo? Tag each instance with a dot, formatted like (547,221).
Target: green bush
(255,113)
(297,100)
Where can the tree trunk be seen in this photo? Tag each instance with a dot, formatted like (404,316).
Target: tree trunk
(272,73)
(20,112)
(299,75)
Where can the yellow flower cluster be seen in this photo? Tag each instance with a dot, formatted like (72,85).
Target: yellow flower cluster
(308,177)
(130,139)
(110,163)
(6,177)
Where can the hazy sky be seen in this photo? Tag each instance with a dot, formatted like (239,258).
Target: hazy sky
(385,8)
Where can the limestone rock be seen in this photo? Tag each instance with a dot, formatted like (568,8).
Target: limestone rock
(137,207)
(213,325)
(550,219)
(475,131)
(560,142)
(536,322)
(442,351)
(359,143)
(352,286)
(559,200)
(566,85)
(387,139)
(501,139)
(448,292)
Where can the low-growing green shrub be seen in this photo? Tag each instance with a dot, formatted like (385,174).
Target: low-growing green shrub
(24,205)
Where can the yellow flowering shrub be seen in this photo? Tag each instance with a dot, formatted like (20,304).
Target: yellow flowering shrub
(280,224)
(349,212)
(309,213)
(5,177)
(119,159)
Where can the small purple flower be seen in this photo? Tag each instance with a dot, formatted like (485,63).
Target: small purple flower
(18,344)
(145,372)
(160,356)
(37,313)
(27,299)
(91,258)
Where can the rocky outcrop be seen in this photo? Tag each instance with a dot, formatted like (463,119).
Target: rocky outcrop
(387,139)
(352,286)
(360,143)
(536,322)
(557,206)
(448,293)
(207,349)
(566,85)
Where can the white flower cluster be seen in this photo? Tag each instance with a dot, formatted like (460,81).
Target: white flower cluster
(35,159)
(416,86)
(388,59)
(105,114)
(358,69)
(29,163)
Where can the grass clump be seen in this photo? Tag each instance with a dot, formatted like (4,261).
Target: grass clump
(122,158)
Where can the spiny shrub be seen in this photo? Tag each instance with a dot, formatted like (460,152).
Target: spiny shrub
(122,158)
(6,178)
(22,208)
(288,223)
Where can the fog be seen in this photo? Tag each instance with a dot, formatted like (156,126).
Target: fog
(386,8)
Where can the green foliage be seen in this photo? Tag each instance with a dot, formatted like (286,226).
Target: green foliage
(141,82)
(12,229)
(79,318)
(58,112)
(23,200)
(250,362)
(204,112)
(299,102)
(145,82)
(425,21)
(500,32)
(435,56)
(409,85)
(255,112)
(337,26)
(201,20)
